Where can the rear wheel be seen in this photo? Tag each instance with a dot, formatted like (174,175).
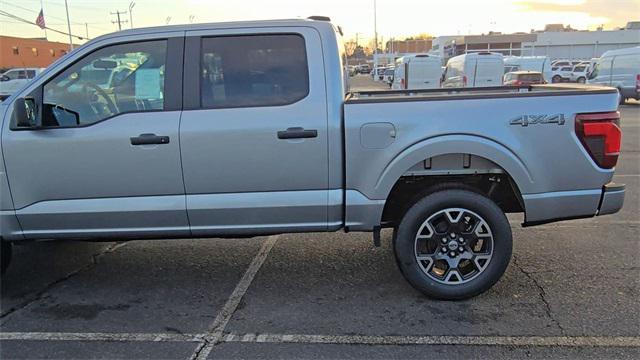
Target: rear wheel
(453,244)
(581,80)
(5,255)
(556,79)
(622,99)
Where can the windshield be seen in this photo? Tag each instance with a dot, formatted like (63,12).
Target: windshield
(594,72)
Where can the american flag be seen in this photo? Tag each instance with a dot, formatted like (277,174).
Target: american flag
(40,20)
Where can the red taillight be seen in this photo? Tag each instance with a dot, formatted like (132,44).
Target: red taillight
(402,84)
(638,83)
(464,80)
(601,135)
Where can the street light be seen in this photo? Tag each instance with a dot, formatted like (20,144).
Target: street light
(131,5)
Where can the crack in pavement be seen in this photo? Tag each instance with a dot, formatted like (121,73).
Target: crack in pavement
(541,292)
(41,294)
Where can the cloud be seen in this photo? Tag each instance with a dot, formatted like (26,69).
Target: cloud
(610,12)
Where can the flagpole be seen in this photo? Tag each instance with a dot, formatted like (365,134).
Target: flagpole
(42,9)
(66,6)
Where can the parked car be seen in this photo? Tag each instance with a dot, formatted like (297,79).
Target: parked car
(619,69)
(557,64)
(541,64)
(294,151)
(580,72)
(414,72)
(523,78)
(474,70)
(562,74)
(364,68)
(14,79)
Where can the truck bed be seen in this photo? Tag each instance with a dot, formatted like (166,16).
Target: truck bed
(475,93)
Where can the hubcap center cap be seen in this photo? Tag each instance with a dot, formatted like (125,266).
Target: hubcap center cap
(453,245)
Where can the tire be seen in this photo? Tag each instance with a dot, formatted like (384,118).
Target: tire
(5,255)
(622,99)
(482,257)
(556,79)
(581,80)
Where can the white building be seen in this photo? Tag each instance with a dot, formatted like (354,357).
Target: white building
(556,45)
(581,44)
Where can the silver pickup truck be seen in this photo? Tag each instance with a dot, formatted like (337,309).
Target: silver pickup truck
(248,128)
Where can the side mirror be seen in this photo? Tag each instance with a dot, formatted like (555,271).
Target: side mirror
(4,78)
(24,112)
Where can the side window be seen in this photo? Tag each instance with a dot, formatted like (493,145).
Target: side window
(31,74)
(253,70)
(107,82)
(11,75)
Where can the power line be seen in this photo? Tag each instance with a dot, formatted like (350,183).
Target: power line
(119,21)
(47,15)
(9,15)
(36,12)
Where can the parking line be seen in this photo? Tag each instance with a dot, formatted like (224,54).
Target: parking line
(575,341)
(220,323)
(572,341)
(570,224)
(53,336)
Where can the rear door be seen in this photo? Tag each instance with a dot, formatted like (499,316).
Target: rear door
(254,131)
(488,72)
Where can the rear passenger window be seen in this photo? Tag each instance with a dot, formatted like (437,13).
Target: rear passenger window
(254,70)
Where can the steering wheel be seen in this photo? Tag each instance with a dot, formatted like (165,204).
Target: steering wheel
(98,90)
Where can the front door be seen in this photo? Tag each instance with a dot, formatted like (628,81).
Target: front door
(105,160)
(254,132)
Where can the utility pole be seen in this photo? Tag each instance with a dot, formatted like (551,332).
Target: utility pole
(119,21)
(66,6)
(86,29)
(131,5)
(375,34)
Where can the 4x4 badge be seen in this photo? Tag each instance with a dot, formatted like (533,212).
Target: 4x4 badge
(526,120)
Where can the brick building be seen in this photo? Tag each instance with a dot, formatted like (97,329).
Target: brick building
(408,46)
(23,52)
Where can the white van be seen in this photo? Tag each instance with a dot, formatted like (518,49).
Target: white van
(474,70)
(529,63)
(419,71)
(14,79)
(619,69)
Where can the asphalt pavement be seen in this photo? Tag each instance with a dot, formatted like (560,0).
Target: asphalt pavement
(570,292)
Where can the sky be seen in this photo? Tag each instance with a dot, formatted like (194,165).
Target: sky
(395,18)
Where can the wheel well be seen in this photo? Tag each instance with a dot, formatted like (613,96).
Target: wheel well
(463,171)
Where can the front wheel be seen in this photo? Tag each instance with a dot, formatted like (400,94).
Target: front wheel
(556,79)
(581,80)
(453,244)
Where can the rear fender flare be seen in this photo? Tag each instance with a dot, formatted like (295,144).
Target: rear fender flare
(453,144)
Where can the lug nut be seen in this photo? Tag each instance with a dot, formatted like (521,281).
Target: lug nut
(444,240)
(453,235)
(444,249)
(461,249)
(461,241)
(452,254)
